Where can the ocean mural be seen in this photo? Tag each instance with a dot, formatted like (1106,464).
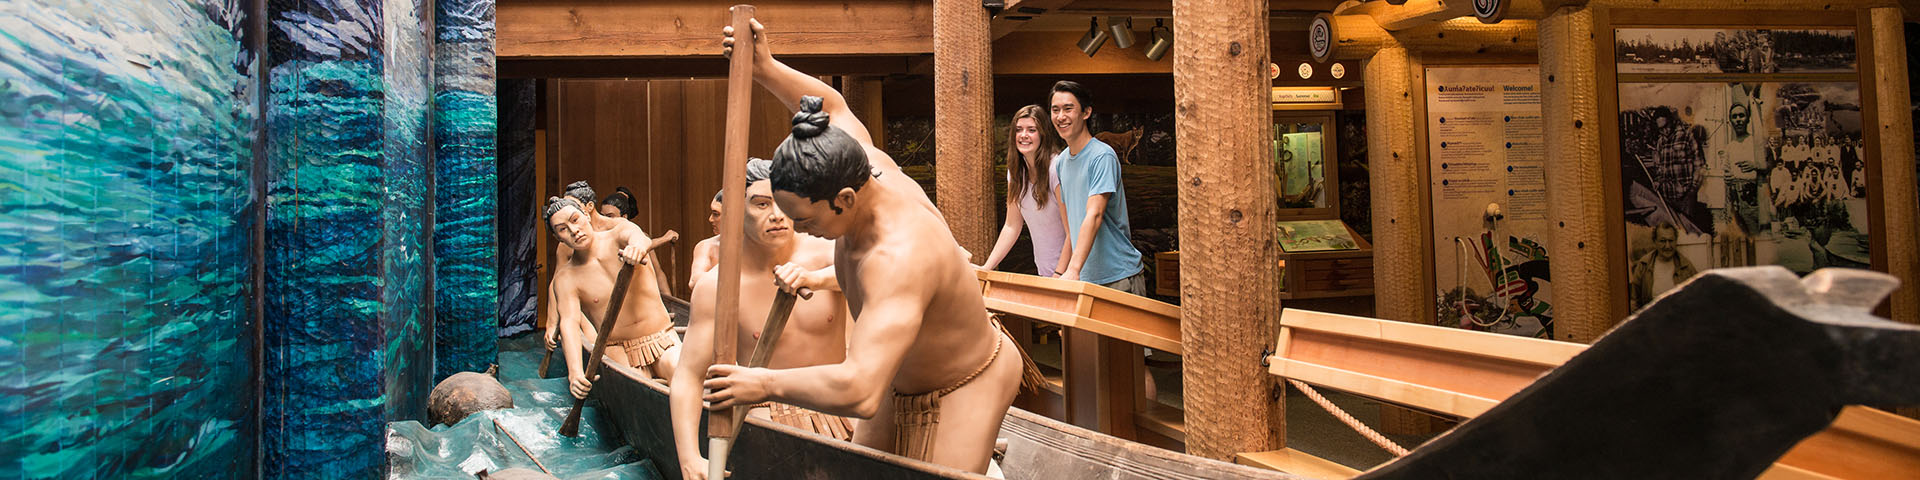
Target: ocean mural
(127,207)
(518,234)
(325,358)
(466,288)
(406,266)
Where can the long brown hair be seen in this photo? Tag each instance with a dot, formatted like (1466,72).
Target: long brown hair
(1050,144)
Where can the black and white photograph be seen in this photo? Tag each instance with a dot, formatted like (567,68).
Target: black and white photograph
(1737,174)
(1669,50)
(1815,51)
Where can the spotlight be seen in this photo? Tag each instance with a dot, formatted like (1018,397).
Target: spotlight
(1162,40)
(1122,28)
(1094,38)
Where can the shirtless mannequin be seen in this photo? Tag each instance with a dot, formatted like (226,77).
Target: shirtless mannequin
(644,336)
(925,363)
(581,192)
(706,254)
(814,335)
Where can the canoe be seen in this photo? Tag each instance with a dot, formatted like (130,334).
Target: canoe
(1731,370)
(1037,447)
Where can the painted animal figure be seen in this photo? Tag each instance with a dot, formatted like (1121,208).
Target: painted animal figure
(1122,142)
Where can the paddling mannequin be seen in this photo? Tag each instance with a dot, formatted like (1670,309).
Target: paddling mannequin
(815,333)
(581,286)
(921,329)
(706,254)
(581,192)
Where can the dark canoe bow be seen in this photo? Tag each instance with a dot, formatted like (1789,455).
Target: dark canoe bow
(1037,447)
(1729,371)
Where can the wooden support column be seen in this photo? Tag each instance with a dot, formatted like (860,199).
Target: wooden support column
(963,116)
(863,98)
(1399,240)
(1583,293)
(1897,198)
(1228,287)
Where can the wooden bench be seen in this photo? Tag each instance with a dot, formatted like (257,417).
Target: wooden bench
(1464,373)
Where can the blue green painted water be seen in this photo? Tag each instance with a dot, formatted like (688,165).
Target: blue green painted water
(125,225)
(476,443)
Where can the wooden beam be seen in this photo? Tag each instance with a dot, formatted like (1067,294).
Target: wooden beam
(1164,8)
(1018,12)
(1576,172)
(1358,36)
(963,114)
(1054,53)
(693,67)
(1400,252)
(617,28)
(1230,297)
(1421,13)
(1897,196)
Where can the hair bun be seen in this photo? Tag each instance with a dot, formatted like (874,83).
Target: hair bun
(810,121)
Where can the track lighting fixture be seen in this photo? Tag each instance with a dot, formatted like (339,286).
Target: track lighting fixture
(1094,38)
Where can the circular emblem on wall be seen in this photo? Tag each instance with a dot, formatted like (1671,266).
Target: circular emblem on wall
(1320,37)
(1306,70)
(1273,71)
(1490,11)
(1338,70)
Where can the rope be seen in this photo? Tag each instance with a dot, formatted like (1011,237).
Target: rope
(1355,424)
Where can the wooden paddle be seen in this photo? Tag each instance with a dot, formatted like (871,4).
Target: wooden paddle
(770,334)
(571,427)
(732,206)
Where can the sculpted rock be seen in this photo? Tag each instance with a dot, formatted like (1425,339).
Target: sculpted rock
(463,394)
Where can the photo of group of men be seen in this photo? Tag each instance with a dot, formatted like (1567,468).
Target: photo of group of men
(1737,174)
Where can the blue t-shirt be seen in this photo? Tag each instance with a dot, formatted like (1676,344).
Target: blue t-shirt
(1096,170)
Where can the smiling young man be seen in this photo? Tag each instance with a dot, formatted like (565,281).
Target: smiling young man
(815,333)
(583,287)
(1095,199)
(925,363)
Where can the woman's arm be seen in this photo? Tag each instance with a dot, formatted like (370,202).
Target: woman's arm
(1009,233)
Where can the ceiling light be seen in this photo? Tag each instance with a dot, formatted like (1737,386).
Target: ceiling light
(1094,38)
(1162,40)
(1122,28)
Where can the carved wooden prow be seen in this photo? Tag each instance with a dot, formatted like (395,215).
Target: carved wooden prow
(1714,380)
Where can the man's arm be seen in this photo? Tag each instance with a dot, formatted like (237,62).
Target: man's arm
(789,85)
(571,337)
(702,260)
(696,354)
(1089,228)
(890,320)
(1066,241)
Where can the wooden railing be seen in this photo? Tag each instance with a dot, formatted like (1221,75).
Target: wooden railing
(1463,373)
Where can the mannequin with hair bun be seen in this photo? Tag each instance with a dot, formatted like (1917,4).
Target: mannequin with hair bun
(921,340)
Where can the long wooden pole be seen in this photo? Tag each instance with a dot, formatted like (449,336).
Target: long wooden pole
(732,204)
(770,334)
(1227,285)
(571,427)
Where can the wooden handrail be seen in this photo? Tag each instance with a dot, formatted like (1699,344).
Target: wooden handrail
(1464,373)
(1101,310)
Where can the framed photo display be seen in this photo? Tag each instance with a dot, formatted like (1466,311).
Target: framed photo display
(1739,144)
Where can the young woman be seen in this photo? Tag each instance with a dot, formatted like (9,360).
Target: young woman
(1033,193)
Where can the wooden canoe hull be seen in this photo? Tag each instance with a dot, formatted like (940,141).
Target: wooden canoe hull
(1037,447)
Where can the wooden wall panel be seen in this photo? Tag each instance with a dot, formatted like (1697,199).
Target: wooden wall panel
(662,139)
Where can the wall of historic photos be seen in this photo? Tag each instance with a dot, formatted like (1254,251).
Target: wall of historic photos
(1739,147)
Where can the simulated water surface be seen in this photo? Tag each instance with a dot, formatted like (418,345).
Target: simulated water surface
(477,443)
